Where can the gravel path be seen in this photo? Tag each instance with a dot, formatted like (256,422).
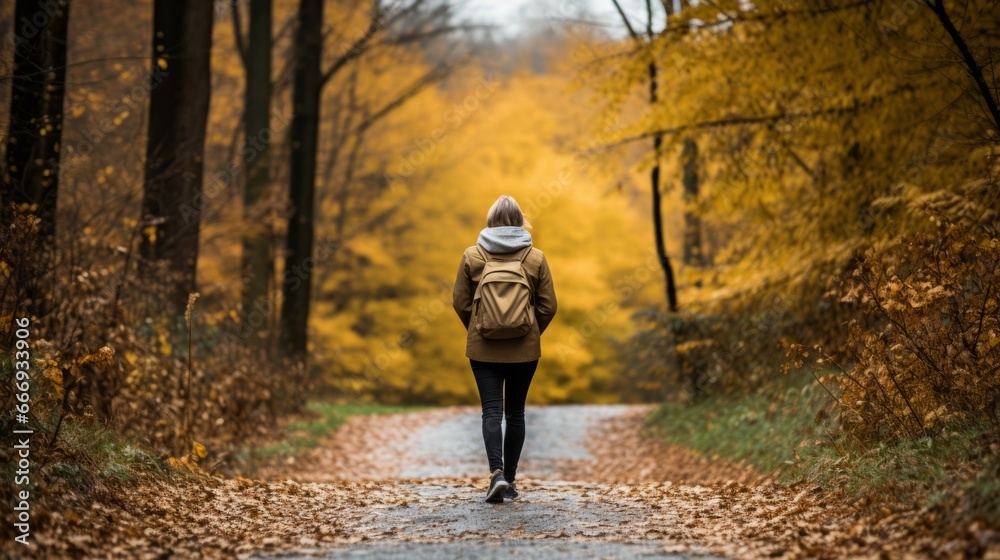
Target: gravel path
(504,549)
(440,464)
(555,435)
(593,483)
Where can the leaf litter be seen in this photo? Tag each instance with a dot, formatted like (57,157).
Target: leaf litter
(349,492)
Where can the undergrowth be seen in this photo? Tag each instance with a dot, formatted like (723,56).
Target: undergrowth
(92,462)
(321,419)
(791,430)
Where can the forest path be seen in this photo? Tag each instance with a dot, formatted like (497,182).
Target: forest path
(594,485)
(439,460)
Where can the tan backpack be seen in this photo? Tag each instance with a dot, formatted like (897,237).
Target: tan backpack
(502,306)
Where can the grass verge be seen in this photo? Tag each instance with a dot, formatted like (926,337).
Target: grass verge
(321,420)
(792,429)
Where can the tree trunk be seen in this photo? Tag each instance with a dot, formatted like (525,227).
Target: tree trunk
(257,264)
(36,112)
(661,249)
(35,132)
(178,112)
(693,255)
(304,133)
(974,68)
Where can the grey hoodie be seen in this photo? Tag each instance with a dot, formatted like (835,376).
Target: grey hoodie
(505,239)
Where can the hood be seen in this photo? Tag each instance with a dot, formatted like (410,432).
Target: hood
(506,239)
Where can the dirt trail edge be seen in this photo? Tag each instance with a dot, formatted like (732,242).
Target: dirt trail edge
(437,461)
(593,485)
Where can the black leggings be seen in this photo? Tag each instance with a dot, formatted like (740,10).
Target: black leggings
(503,451)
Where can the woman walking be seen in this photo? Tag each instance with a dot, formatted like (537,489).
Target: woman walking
(504,296)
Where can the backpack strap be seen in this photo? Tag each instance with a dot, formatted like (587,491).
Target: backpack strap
(531,283)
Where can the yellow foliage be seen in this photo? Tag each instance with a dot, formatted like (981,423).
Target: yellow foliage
(199,450)
(55,376)
(166,348)
(103,358)
(385,326)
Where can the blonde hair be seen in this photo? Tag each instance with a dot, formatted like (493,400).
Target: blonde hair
(506,212)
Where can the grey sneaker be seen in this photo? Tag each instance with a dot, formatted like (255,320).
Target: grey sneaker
(511,493)
(498,485)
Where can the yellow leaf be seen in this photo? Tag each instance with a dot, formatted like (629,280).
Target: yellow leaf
(55,376)
(165,347)
(103,358)
(199,450)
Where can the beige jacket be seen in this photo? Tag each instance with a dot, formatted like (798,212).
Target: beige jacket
(524,349)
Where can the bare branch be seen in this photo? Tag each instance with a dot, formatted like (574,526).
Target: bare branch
(434,75)
(972,67)
(628,24)
(752,119)
(420,35)
(376,24)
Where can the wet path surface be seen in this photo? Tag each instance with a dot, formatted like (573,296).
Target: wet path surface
(555,435)
(441,468)
(595,483)
(504,550)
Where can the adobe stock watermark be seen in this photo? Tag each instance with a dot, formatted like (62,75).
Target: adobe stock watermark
(869,215)
(122,109)
(30,27)
(567,175)
(293,278)
(752,332)
(380,19)
(624,288)
(421,318)
(221,180)
(454,118)
(901,14)
(21,432)
(225,7)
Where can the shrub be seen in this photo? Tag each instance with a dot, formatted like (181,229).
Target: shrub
(103,350)
(925,346)
(690,355)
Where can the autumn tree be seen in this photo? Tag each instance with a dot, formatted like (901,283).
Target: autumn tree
(974,65)
(693,255)
(302,163)
(643,45)
(255,53)
(309,82)
(36,111)
(819,128)
(178,112)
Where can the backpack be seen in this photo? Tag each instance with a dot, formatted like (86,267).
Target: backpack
(502,307)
